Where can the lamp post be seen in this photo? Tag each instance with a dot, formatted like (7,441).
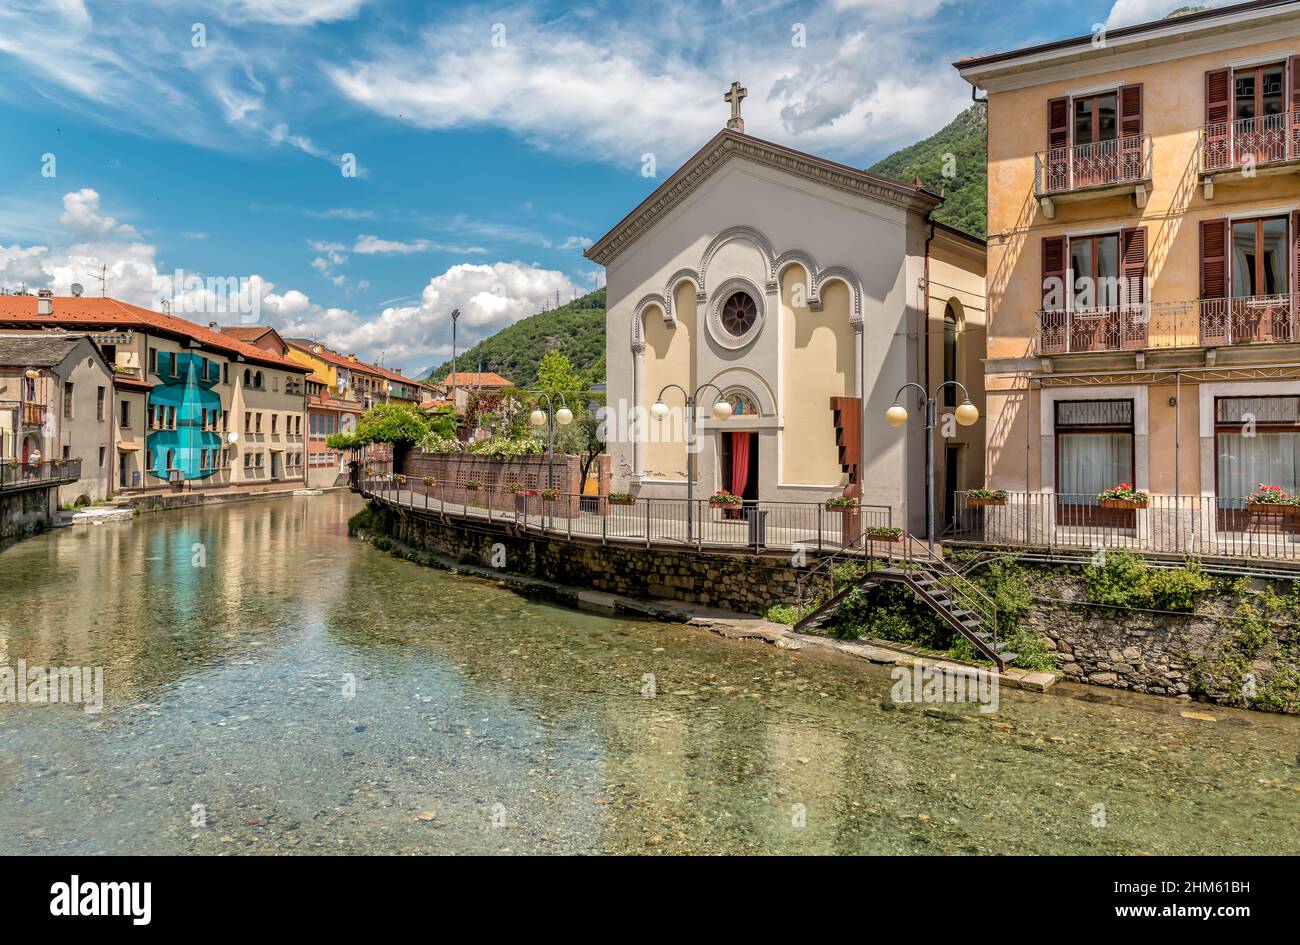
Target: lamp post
(550,417)
(455,379)
(721,411)
(896,416)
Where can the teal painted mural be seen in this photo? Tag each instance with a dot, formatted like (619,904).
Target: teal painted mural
(185,415)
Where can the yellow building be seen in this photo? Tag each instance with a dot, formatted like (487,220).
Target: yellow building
(1143,239)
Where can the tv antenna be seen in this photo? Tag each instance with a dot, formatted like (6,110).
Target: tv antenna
(102,276)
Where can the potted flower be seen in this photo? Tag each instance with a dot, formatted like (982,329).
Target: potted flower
(370,470)
(429,482)
(473,485)
(850,517)
(399,479)
(550,494)
(516,488)
(884,533)
(1123,496)
(987,497)
(621,498)
(722,499)
(1270,500)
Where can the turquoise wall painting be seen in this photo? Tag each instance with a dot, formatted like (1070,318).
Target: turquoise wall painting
(187,398)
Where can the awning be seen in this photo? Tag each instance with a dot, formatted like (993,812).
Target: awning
(128,447)
(277,449)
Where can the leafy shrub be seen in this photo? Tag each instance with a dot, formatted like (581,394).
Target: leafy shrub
(1124,579)
(783,613)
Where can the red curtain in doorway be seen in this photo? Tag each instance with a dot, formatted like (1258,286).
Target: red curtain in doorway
(739,462)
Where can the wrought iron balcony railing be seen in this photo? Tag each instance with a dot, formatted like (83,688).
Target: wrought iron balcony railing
(1085,167)
(1229,145)
(34,414)
(1206,323)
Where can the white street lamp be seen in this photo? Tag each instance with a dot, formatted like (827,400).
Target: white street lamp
(966,415)
(721,411)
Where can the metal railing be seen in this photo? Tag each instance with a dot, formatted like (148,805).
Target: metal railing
(755,526)
(1210,323)
(16,475)
(34,414)
(1209,526)
(1227,145)
(1125,160)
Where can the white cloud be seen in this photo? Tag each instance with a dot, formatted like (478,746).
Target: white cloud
(81,217)
(1130,12)
(373,245)
(290,12)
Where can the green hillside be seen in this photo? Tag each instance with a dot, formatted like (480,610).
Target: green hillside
(577,330)
(965,203)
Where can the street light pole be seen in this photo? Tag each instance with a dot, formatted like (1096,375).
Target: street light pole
(896,416)
(563,416)
(455,378)
(721,411)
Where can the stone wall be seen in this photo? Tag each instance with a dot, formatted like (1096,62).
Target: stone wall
(25,512)
(1197,653)
(741,583)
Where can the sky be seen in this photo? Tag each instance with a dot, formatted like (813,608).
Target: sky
(359,168)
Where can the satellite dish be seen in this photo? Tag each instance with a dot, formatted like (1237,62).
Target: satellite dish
(232,437)
(77,289)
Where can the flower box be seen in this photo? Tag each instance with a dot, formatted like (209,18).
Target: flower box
(616,498)
(550,495)
(884,534)
(837,505)
(1272,508)
(725,500)
(1123,504)
(473,485)
(980,500)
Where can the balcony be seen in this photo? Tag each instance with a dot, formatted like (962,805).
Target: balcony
(34,414)
(16,476)
(1104,169)
(1208,323)
(1248,147)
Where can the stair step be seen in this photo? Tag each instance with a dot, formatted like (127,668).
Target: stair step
(1007,657)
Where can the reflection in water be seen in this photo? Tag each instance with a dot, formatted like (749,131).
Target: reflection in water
(226,727)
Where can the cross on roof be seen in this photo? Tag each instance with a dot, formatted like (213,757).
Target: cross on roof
(734,95)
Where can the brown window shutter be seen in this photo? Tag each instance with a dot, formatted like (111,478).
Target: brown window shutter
(1218,96)
(1214,269)
(1295,255)
(1133,264)
(1055,290)
(1130,110)
(1295,106)
(1058,123)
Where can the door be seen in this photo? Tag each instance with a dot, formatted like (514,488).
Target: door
(740,468)
(1259,113)
(951,479)
(275,467)
(123,470)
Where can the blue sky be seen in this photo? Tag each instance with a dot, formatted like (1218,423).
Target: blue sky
(491,143)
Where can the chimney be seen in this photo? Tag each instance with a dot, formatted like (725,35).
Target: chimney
(44,302)
(214,326)
(398,370)
(352,357)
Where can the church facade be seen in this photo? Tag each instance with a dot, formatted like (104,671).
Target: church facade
(805,293)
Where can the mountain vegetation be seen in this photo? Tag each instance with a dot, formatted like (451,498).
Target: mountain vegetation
(952,161)
(576,330)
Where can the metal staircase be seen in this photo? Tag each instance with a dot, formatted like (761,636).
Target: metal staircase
(957,600)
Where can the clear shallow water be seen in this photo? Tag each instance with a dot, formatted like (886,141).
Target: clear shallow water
(225,689)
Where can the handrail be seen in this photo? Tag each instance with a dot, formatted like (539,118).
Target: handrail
(1122,160)
(1227,145)
(963,590)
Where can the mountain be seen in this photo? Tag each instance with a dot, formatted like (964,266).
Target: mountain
(576,329)
(965,187)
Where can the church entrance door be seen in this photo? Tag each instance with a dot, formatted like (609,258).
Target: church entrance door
(740,468)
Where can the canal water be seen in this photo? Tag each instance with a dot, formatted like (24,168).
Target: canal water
(272,686)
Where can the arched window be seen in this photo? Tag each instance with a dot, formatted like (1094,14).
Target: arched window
(248,377)
(257,380)
(742,403)
(950,329)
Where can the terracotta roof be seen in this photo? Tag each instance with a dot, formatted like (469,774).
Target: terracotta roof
(131,383)
(485,379)
(333,357)
(105,313)
(316,378)
(246,333)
